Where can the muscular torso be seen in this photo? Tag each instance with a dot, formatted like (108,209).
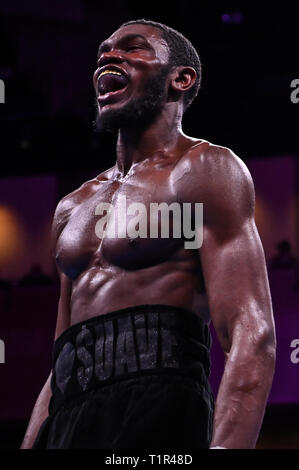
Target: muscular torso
(113,273)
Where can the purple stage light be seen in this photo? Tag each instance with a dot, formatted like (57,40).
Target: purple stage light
(233,17)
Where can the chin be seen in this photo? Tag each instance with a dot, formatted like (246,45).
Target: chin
(110,119)
(111,107)
(131,112)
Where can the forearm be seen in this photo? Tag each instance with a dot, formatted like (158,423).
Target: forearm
(242,398)
(39,414)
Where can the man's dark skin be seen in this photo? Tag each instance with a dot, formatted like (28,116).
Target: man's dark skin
(160,163)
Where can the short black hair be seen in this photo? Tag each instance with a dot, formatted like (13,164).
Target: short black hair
(181,52)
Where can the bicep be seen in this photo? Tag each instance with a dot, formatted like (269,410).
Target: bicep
(236,280)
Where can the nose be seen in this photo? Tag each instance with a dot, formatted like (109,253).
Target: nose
(112,57)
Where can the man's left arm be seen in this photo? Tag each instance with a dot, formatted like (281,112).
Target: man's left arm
(236,281)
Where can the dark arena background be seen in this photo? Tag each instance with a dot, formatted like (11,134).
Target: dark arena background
(248,102)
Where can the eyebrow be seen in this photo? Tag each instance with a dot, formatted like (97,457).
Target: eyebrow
(128,37)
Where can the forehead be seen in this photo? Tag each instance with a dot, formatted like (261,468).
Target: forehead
(151,34)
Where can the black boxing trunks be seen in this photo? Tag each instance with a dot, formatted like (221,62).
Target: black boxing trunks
(132,378)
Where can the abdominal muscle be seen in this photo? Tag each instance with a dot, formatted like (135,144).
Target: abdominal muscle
(103,289)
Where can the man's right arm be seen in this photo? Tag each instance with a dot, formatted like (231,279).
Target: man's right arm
(40,410)
(39,414)
(61,216)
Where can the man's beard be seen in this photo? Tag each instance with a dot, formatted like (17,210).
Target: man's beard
(136,113)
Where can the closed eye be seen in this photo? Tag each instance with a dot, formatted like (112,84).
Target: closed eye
(131,48)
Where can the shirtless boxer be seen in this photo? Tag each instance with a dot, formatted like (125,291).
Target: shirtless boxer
(131,352)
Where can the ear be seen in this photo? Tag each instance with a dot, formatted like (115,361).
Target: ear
(183,78)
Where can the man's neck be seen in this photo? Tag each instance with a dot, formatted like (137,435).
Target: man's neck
(160,137)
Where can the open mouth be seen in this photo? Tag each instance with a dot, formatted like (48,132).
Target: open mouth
(111,82)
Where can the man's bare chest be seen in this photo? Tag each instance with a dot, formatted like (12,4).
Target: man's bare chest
(128,222)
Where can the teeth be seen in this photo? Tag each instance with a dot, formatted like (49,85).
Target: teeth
(110,71)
